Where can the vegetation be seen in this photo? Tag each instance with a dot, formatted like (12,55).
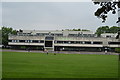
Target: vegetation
(40,65)
(117,50)
(107,29)
(0,37)
(5,32)
(105,8)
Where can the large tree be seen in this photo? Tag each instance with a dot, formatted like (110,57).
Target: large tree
(5,32)
(105,8)
(107,29)
(114,29)
(103,29)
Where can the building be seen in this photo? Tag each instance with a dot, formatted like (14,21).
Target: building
(62,41)
(109,35)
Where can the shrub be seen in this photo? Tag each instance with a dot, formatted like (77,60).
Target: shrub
(117,50)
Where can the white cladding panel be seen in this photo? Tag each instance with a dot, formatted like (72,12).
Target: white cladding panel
(38,44)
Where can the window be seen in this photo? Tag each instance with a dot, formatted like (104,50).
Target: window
(14,40)
(74,35)
(60,42)
(85,35)
(49,38)
(17,40)
(87,42)
(48,43)
(21,40)
(35,41)
(72,42)
(78,42)
(115,43)
(42,34)
(41,41)
(58,34)
(66,42)
(69,42)
(108,36)
(97,42)
(28,41)
(10,40)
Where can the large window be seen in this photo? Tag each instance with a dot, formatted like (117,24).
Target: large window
(49,38)
(48,43)
(21,40)
(114,43)
(42,34)
(28,41)
(66,42)
(87,42)
(73,35)
(97,42)
(10,40)
(69,42)
(60,42)
(15,40)
(41,41)
(79,42)
(59,34)
(73,42)
(35,41)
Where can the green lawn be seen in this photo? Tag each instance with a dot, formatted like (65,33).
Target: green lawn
(40,65)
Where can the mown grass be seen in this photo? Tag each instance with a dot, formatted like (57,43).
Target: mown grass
(40,65)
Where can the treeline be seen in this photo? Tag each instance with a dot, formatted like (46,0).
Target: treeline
(107,29)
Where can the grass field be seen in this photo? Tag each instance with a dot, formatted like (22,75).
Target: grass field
(40,65)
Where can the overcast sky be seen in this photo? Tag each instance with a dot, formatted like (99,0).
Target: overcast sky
(53,15)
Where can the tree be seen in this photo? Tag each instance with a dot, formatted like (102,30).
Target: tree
(105,8)
(114,29)
(107,29)
(117,50)
(85,30)
(103,29)
(5,32)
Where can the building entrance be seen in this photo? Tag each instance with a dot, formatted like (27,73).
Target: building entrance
(49,43)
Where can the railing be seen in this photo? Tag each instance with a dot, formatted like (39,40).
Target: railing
(66,37)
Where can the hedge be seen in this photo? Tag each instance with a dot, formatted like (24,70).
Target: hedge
(117,50)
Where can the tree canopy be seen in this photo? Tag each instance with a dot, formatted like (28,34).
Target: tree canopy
(5,32)
(105,8)
(107,29)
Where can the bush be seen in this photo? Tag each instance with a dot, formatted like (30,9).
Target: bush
(23,47)
(117,50)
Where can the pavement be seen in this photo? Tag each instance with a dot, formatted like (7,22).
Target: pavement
(60,52)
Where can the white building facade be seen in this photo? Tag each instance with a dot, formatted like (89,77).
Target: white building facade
(62,41)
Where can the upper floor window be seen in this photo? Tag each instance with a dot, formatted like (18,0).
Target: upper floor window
(87,42)
(97,42)
(14,40)
(115,43)
(21,40)
(35,41)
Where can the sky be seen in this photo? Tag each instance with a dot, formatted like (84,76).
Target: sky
(53,16)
